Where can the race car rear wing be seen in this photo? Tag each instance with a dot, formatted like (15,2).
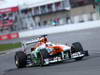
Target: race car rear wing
(30,42)
(25,43)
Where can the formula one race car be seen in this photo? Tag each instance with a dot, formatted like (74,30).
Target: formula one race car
(42,52)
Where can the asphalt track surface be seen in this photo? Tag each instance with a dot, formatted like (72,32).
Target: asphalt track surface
(90,40)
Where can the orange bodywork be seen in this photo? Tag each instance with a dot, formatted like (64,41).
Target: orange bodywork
(57,49)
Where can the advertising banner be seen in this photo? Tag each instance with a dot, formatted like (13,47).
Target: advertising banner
(7,10)
(9,36)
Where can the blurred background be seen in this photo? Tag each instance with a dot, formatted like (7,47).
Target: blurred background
(24,15)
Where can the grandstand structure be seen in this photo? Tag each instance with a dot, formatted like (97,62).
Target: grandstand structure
(18,15)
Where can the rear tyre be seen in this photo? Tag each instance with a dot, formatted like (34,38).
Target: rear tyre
(20,59)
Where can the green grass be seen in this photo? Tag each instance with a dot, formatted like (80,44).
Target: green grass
(4,47)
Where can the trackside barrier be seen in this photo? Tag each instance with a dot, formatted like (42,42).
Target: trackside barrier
(51,30)
(58,29)
(9,36)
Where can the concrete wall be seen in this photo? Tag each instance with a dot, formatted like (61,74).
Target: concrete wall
(58,29)
(52,30)
(82,10)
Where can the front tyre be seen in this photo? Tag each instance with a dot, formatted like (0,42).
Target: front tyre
(76,47)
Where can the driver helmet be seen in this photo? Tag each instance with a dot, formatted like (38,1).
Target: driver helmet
(43,39)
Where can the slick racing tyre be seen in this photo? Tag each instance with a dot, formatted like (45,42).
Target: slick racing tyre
(76,47)
(43,55)
(20,59)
